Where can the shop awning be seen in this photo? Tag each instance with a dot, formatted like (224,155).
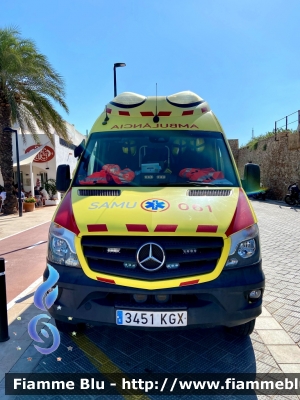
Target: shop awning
(30,156)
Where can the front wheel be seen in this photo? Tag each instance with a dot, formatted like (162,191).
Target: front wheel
(242,330)
(289,200)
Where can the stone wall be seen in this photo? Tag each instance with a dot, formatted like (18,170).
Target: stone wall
(234,145)
(278,158)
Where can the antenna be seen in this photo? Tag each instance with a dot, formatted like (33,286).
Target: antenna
(252,133)
(156,117)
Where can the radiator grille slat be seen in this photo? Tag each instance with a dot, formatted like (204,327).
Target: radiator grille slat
(209,192)
(98,192)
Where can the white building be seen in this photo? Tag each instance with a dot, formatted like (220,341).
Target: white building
(38,162)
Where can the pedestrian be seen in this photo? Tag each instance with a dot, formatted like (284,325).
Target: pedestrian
(2,198)
(44,194)
(22,196)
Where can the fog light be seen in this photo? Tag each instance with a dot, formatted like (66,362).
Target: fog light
(231,262)
(255,294)
(162,298)
(140,298)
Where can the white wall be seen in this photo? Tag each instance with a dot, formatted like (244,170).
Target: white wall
(63,155)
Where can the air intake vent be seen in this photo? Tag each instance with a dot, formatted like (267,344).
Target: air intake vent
(98,192)
(209,192)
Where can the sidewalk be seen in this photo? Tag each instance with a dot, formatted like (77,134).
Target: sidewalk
(13,224)
(19,348)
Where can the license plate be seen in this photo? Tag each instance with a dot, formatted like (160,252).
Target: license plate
(157,319)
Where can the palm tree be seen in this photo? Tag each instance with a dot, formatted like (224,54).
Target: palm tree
(28,84)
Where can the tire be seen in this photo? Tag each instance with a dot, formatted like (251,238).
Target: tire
(242,330)
(289,200)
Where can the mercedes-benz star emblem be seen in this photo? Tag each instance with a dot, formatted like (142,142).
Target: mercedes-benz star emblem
(150,257)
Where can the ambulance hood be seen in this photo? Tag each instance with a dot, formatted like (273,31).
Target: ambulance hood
(177,211)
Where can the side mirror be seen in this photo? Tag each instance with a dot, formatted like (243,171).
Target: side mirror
(63,179)
(251,181)
(79,149)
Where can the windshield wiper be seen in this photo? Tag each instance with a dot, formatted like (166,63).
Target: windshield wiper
(187,183)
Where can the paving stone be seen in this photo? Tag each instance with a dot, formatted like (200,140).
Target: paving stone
(283,312)
(295,336)
(160,346)
(255,337)
(296,329)
(290,320)
(126,348)
(265,312)
(177,355)
(271,309)
(287,327)
(270,336)
(291,308)
(290,368)
(268,359)
(286,354)
(260,347)
(262,367)
(266,323)
(146,367)
(278,318)
(283,300)
(214,353)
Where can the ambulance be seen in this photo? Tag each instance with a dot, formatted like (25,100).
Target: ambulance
(155,230)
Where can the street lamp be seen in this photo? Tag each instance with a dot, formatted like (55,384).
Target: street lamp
(10,130)
(117,65)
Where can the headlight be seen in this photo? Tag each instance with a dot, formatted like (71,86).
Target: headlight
(244,249)
(247,249)
(61,248)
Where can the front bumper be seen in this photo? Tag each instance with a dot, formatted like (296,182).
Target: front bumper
(223,301)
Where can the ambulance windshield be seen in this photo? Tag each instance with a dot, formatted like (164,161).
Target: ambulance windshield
(161,158)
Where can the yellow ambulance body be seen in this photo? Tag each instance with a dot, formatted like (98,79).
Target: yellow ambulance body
(155,229)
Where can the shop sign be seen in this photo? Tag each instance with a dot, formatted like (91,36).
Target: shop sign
(46,154)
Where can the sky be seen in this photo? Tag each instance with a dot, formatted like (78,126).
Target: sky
(242,57)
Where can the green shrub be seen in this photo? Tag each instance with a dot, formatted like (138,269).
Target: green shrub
(30,200)
(50,186)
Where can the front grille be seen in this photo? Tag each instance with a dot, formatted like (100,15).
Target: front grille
(209,192)
(203,261)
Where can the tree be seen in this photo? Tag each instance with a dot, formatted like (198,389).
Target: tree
(28,84)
